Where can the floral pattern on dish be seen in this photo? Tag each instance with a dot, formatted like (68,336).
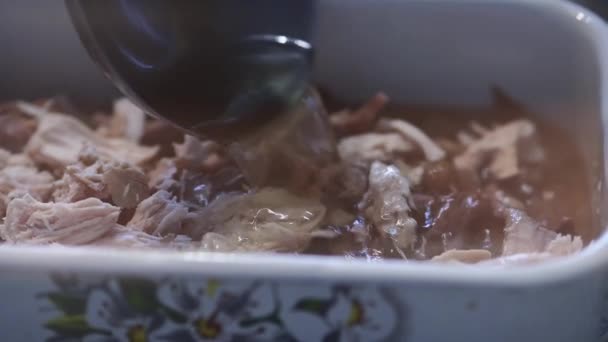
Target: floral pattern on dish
(141,310)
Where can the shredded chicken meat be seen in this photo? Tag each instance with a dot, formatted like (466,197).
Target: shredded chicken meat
(95,176)
(31,221)
(159,215)
(384,188)
(59,139)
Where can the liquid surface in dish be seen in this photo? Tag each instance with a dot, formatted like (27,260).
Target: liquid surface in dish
(490,187)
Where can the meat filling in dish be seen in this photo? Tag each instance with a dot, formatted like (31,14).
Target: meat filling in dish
(374,182)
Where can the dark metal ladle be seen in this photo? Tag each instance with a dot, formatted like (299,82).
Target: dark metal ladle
(211,67)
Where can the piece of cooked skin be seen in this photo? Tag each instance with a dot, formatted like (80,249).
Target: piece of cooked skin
(501,145)
(369,147)
(95,176)
(431,150)
(387,205)
(30,221)
(348,122)
(271,219)
(159,215)
(470,256)
(59,139)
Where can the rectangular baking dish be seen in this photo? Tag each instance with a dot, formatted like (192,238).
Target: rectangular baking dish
(550,55)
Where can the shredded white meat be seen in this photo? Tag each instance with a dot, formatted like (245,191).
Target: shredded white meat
(95,176)
(59,139)
(39,184)
(501,145)
(159,215)
(30,221)
(431,150)
(369,147)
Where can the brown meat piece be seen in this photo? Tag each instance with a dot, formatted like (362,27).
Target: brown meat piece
(94,176)
(500,146)
(348,122)
(369,147)
(59,139)
(16,128)
(33,222)
(159,215)
(127,122)
(268,220)
(387,205)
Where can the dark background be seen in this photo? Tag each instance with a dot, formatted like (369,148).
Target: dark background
(599,6)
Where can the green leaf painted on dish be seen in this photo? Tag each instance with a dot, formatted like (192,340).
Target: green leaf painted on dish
(140,294)
(315,306)
(68,304)
(70,325)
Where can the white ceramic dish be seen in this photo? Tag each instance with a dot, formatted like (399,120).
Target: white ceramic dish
(551,55)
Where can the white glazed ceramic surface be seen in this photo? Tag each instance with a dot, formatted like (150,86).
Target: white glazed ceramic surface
(550,55)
